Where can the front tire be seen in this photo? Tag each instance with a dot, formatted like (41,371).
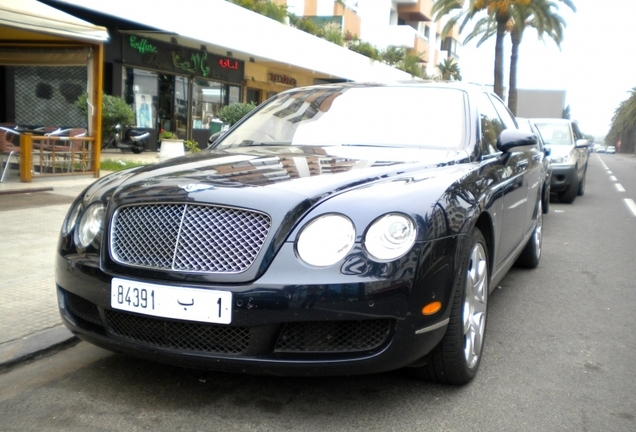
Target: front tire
(569,195)
(457,357)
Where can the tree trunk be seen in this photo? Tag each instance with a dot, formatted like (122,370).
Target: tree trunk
(515,36)
(499,50)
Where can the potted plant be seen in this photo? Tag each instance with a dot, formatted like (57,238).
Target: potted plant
(171,145)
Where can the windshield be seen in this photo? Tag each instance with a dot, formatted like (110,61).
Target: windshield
(556,133)
(365,116)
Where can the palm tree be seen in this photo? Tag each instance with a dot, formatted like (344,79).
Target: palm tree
(623,127)
(498,15)
(543,17)
(449,70)
(539,14)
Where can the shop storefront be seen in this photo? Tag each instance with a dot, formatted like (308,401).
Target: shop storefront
(48,61)
(177,89)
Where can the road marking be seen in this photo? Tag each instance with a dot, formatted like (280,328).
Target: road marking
(619,187)
(613,178)
(631,205)
(609,172)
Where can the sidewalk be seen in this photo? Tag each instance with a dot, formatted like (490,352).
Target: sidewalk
(30,323)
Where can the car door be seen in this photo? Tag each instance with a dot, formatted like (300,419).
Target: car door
(581,152)
(513,177)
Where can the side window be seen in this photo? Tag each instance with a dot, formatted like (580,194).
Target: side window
(577,132)
(491,125)
(504,113)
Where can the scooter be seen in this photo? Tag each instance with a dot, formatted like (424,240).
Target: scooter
(133,139)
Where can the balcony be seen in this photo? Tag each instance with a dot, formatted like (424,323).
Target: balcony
(421,48)
(402,36)
(419,10)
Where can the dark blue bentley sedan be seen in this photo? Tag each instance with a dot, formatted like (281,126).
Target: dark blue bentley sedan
(337,229)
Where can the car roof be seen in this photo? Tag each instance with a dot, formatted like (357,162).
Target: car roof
(459,85)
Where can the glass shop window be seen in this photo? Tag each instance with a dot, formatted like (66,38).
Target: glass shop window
(141,93)
(207,99)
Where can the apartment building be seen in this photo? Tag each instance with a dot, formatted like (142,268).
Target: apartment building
(406,24)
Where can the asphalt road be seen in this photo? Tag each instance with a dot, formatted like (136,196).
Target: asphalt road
(560,355)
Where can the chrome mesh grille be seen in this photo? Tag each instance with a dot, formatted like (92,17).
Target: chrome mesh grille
(189,238)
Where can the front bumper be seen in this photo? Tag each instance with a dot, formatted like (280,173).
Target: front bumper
(562,177)
(355,318)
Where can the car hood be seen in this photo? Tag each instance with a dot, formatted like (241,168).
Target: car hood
(286,184)
(284,174)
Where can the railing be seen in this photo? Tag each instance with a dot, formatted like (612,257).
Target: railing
(57,156)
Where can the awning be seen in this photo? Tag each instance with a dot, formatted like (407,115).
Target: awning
(32,15)
(247,34)
(44,56)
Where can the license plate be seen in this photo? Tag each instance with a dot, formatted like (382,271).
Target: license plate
(189,304)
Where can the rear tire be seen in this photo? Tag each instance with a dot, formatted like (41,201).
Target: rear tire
(457,357)
(569,195)
(136,150)
(545,202)
(531,254)
(581,190)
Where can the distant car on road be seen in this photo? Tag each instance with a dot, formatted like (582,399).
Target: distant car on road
(568,154)
(610,150)
(599,148)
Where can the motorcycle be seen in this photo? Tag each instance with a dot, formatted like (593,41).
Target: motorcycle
(133,139)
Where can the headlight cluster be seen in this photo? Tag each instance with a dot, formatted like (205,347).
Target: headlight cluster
(88,223)
(560,159)
(328,238)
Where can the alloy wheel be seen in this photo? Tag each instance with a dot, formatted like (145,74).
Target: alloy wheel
(475,305)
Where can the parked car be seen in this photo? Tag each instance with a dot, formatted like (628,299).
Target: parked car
(336,229)
(568,156)
(610,150)
(528,125)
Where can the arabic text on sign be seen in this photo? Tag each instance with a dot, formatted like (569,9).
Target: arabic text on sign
(228,64)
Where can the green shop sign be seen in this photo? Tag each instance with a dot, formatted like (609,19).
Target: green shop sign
(142,45)
(172,58)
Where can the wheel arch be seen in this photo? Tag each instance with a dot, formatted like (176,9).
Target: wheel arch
(485,225)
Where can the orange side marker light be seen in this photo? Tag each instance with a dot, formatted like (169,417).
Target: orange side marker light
(431,308)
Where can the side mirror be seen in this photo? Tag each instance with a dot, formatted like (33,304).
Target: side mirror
(215,137)
(511,138)
(580,143)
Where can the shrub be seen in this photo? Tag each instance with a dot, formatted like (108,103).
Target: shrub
(366,49)
(333,33)
(234,112)
(114,110)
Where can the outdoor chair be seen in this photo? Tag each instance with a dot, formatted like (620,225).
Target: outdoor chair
(69,151)
(8,148)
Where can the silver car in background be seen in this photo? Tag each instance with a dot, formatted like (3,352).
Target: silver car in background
(568,155)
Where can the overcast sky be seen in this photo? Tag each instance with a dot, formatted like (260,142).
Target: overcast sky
(596,64)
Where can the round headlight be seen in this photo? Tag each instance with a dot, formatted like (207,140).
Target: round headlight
(390,237)
(326,240)
(71,218)
(90,225)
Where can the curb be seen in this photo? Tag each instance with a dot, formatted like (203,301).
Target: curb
(35,345)
(25,190)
